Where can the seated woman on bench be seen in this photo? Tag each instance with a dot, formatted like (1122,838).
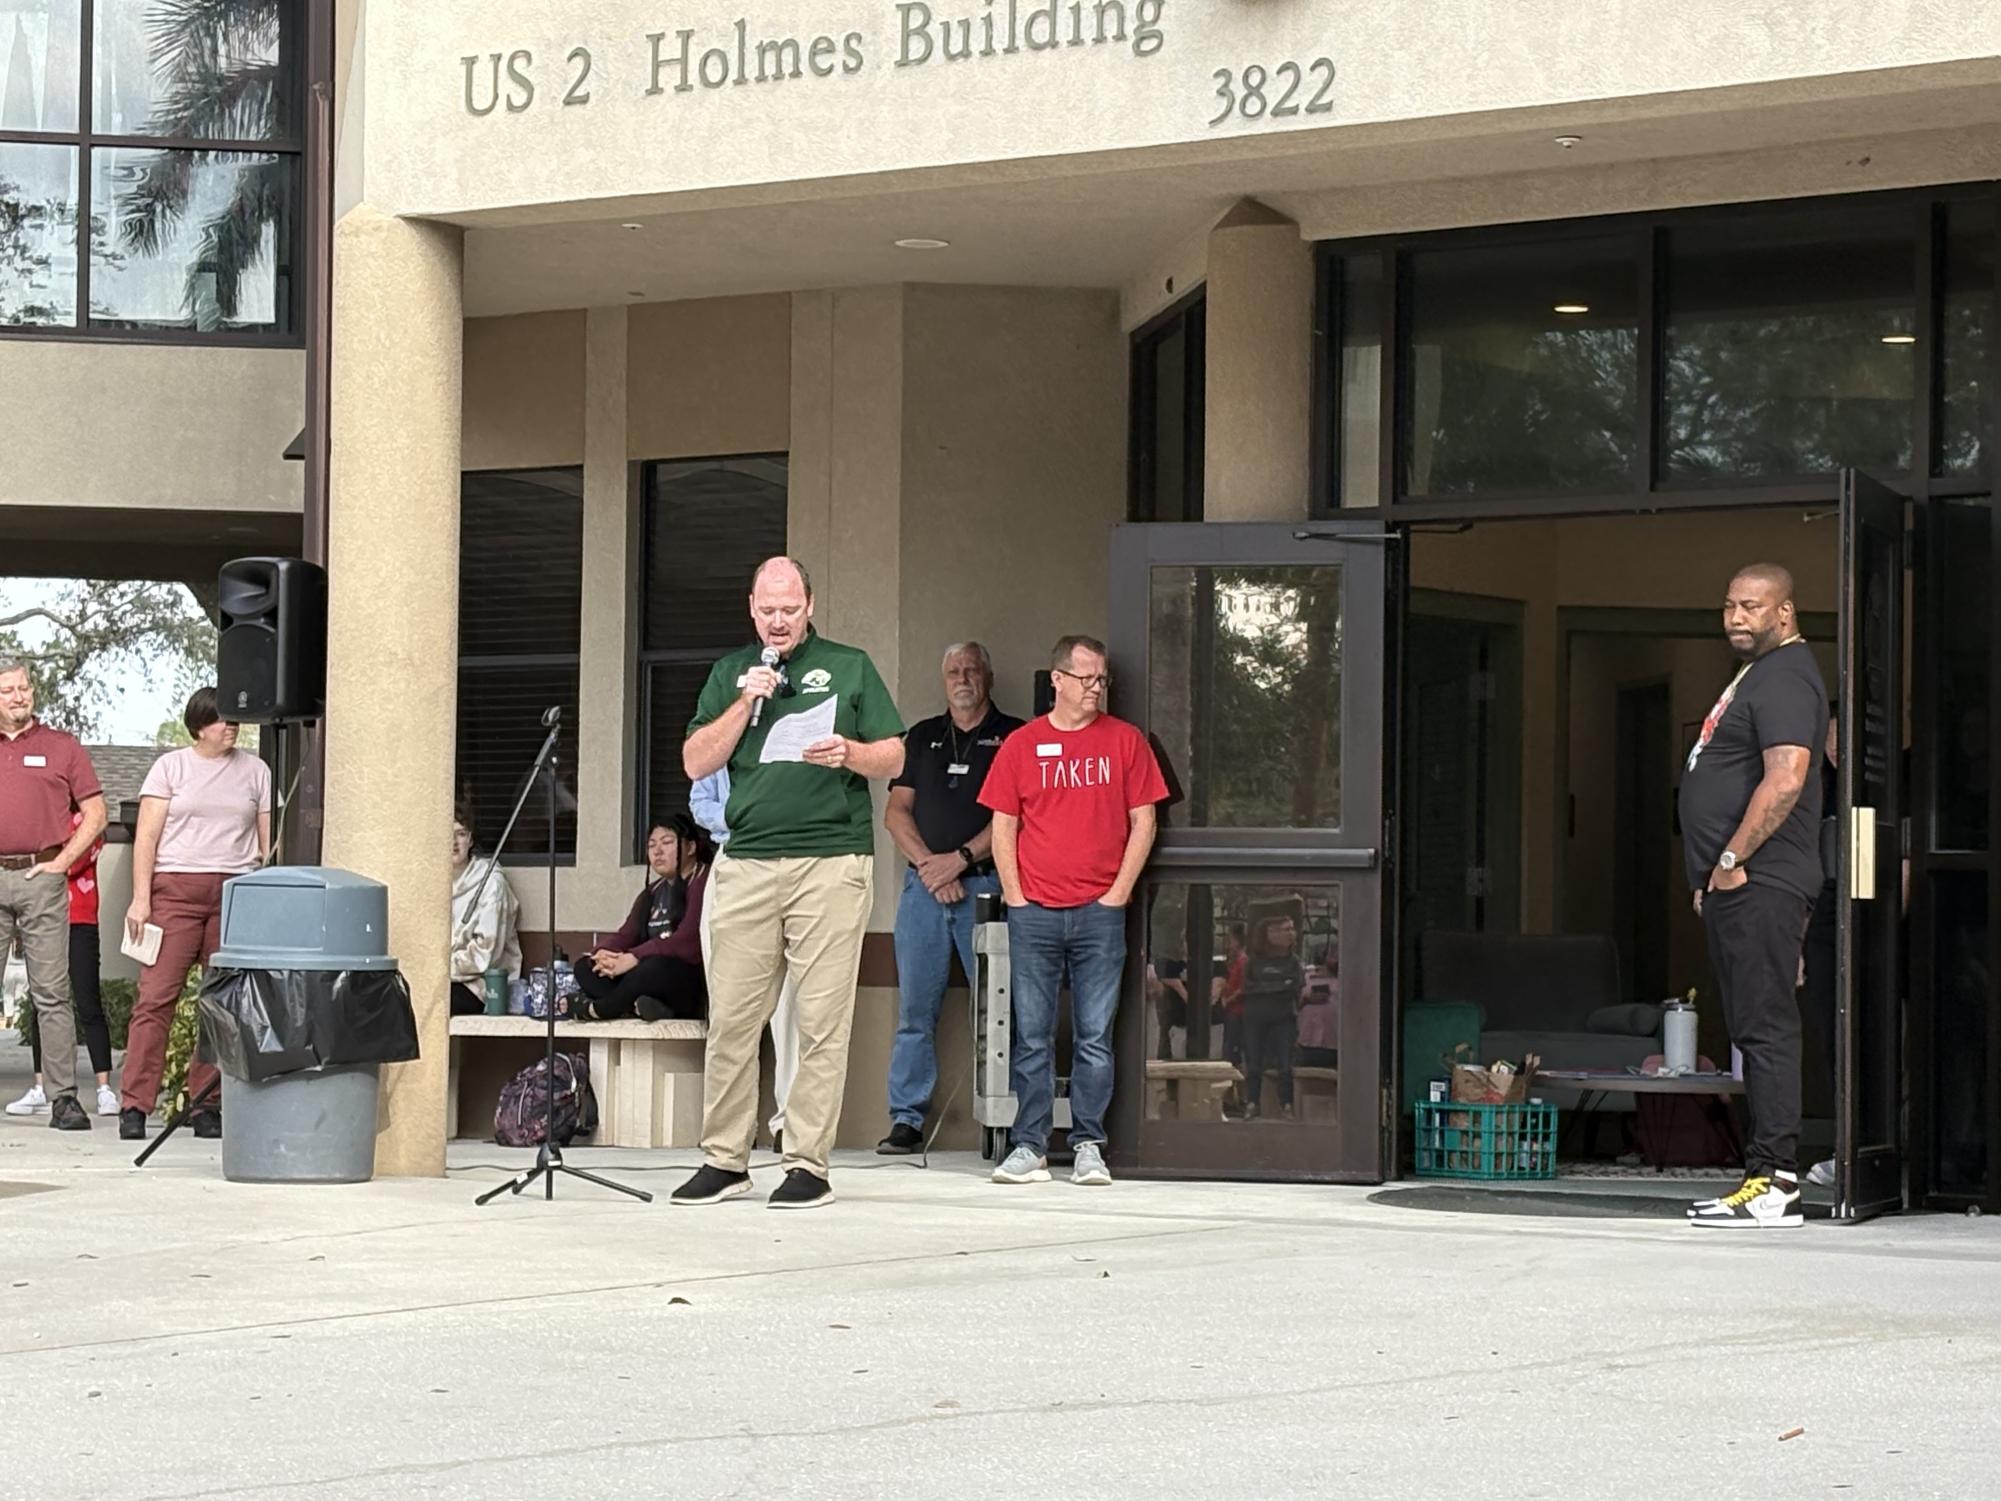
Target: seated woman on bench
(652,967)
(485,916)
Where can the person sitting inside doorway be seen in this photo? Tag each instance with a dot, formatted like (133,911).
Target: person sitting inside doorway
(652,967)
(1274,982)
(485,921)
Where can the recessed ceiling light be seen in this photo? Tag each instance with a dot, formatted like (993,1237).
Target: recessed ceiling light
(1900,338)
(1571,307)
(1566,142)
(635,294)
(923,244)
(632,226)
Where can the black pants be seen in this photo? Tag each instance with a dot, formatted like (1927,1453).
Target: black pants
(1270,1030)
(1755,936)
(466,1001)
(83,953)
(1820,974)
(677,985)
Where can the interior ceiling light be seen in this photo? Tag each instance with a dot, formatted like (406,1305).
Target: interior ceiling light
(1900,338)
(632,226)
(1567,142)
(1571,307)
(923,244)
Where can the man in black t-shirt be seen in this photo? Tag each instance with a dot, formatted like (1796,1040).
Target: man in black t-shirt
(1750,818)
(935,817)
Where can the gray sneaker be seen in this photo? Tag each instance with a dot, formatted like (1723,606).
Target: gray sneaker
(1088,1166)
(1023,1166)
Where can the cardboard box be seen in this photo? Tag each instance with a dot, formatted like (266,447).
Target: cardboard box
(1496,1084)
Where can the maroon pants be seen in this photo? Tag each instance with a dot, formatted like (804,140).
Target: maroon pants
(187,909)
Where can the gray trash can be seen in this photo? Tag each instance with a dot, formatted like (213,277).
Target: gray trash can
(306,938)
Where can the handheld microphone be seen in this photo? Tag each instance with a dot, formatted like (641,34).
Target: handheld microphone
(766,658)
(554,715)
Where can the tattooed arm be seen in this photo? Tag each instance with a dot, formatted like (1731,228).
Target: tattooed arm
(1786,768)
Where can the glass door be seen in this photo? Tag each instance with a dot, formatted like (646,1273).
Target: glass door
(1869,1026)
(1250,1041)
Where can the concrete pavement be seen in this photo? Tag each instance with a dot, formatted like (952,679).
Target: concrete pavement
(167,1334)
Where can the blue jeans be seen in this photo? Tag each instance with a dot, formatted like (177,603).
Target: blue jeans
(1091,940)
(927,930)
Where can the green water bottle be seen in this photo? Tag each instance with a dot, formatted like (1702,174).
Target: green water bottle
(496,992)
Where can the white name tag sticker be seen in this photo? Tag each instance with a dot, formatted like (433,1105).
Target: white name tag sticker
(742,678)
(1049,750)
(34,760)
(958,769)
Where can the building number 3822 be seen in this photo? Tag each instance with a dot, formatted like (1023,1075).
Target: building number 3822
(1260,93)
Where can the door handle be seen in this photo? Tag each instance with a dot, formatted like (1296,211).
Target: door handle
(1862,854)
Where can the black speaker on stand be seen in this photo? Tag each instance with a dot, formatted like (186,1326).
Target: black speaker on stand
(271,653)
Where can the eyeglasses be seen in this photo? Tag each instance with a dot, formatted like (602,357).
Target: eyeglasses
(1102,680)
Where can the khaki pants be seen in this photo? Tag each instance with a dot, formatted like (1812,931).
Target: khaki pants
(802,916)
(35,915)
(784,1025)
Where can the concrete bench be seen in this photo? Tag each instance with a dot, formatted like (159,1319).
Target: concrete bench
(1189,1090)
(647,1075)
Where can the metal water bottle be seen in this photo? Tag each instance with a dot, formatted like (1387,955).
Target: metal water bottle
(1678,1034)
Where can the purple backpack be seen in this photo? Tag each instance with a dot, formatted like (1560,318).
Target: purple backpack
(523,1113)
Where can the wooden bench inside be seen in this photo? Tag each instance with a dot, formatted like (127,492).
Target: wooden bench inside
(647,1075)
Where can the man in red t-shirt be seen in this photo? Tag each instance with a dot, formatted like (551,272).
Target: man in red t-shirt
(1073,796)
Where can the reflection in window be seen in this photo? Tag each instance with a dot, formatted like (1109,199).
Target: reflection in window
(1269,1010)
(1790,345)
(1969,318)
(194,241)
(1960,747)
(1361,379)
(204,72)
(38,212)
(1170,377)
(1524,367)
(1963,993)
(40,67)
(1246,693)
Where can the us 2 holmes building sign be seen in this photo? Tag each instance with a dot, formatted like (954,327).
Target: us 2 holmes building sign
(688,60)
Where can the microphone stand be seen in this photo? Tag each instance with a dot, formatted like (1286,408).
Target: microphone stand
(549,1158)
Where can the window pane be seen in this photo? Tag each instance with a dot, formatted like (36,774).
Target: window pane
(1246,693)
(1524,367)
(192,239)
(671,689)
(708,525)
(41,63)
(1361,379)
(1959,750)
(37,235)
(1790,345)
(194,72)
(1257,1015)
(1969,320)
(499,732)
(521,561)
(1963,991)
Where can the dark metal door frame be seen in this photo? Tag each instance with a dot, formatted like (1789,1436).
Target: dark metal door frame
(1354,855)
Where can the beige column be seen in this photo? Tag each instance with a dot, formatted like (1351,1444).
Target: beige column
(604,700)
(1260,376)
(392,638)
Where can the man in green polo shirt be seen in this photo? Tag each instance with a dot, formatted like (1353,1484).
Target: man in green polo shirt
(803,724)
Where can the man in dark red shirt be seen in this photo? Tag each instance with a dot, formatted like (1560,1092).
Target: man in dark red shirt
(1073,796)
(43,772)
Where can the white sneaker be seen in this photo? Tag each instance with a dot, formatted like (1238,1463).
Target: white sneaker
(34,1102)
(1088,1167)
(1022,1166)
(1821,1174)
(107,1100)
(1763,1203)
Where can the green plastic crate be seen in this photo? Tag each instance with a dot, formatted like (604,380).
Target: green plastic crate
(1489,1142)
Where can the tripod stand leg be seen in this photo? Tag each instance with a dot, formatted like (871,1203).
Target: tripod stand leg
(177,1121)
(577,1172)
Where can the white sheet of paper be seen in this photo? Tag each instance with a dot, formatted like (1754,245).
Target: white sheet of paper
(789,737)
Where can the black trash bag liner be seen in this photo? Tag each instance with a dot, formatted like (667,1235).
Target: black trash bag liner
(261,1023)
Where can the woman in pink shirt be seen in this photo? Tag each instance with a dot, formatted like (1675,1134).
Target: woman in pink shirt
(204,816)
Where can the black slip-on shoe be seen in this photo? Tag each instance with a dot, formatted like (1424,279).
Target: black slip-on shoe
(801,1190)
(207,1124)
(902,1141)
(711,1185)
(65,1114)
(131,1124)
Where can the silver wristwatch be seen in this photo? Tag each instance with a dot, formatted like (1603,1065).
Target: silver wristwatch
(1727,860)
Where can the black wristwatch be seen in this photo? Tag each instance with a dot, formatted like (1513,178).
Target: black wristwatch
(966,854)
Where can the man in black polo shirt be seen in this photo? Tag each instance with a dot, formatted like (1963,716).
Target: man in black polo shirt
(936,819)
(1750,818)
